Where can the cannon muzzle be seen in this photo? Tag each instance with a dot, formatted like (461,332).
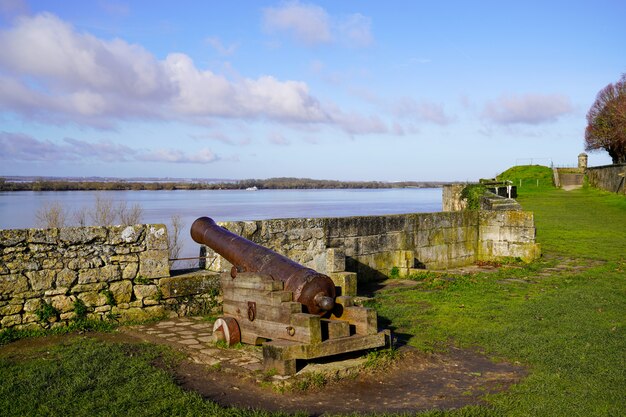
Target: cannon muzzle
(314,290)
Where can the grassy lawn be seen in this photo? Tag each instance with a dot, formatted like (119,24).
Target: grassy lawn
(562,317)
(566,324)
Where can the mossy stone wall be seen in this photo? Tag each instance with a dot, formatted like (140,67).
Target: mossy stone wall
(373,245)
(116,272)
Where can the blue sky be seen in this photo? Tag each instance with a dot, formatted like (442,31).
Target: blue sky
(349,90)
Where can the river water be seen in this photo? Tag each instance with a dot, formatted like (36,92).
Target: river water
(19,209)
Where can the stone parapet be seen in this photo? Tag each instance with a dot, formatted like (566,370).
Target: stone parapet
(373,246)
(115,272)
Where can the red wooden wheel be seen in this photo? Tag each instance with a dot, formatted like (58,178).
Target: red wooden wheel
(227,329)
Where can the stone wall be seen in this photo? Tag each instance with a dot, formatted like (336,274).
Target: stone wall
(451,197)
(373,245)
(608,177)
(117,272)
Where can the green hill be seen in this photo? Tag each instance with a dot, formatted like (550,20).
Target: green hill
(528,176)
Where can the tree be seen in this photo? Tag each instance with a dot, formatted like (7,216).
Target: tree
(606,122)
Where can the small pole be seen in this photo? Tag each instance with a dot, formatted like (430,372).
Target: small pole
(520,183)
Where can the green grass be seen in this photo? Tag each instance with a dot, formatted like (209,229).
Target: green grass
(86,377)
(566,325)
(528,178)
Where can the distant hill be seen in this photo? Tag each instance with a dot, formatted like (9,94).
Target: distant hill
(84,184)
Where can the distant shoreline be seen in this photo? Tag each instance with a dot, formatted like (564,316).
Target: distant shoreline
(72,184)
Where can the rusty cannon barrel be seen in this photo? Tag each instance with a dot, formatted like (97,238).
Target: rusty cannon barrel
(314,290)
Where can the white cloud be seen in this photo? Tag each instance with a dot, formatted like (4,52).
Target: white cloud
(50,72)
(278,139)
(222,49)
(311,25)
(20,147)
(356,29)
(203,156)
(425,111)
(530,109)
(308,23)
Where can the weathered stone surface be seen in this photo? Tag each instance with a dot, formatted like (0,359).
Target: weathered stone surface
(10,321)
(12,237)
(63,303)
(335,260)
(156,237)
(82,235)
(66,278)
(125,234)
(122,291)
(129,271)
(139,314)
(48,236)
(13,284)
(70,315)
(154,264)
(10,309)
(32,305)
(106,273)
(41,280)
(189,284)
(145,291)
(92,299)
(98,286)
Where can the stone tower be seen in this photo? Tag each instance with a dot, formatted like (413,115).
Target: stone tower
(582,161)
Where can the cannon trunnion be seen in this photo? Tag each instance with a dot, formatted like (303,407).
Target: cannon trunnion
(291,310)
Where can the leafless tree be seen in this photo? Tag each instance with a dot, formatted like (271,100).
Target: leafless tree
(129,217)
(103,213)
(51,215)
(175,244)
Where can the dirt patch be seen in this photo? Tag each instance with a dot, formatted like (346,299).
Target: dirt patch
(417,381)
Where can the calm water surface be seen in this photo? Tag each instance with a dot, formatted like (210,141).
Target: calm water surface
(19,209)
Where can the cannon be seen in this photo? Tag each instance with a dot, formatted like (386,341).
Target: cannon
(289,309)
(314,290)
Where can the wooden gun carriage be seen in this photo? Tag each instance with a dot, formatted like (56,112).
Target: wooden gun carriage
(291,310)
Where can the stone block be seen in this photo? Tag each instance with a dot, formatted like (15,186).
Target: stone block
(13,284)
(10,309)
(41,280)
(97,286)
(32,305)
(154,264)
(346,281)
(189,285)
(129,271)
(12,237)
(63,303)
(139,314)
(145,291)
(10,321)
(82,235)
(104,274)
(93,299)
(335,260)
(70,315)
(122,291)
(46,236)
(156,237)
(125,234)
(66,278)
